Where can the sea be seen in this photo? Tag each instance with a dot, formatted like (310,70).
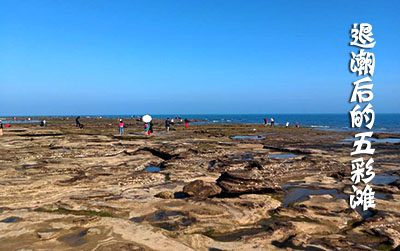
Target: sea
(384,122)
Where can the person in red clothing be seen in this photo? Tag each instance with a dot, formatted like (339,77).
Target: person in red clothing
(186,123)
(265,121)
(121,127)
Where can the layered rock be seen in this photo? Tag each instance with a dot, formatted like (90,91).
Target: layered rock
(240,182)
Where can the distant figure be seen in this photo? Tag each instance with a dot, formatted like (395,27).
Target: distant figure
(265,121)
(43,123)
(172,121)
(151,127)
(15,118)
(1,128)
(297,125)
(272,122)
(287,124)
(167,124)
(186,123)
(78,121)
(121,127)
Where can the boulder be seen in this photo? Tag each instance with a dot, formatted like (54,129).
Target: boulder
(201,189)
(165,195)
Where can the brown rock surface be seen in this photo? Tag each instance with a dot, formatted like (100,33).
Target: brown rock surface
(201,189)
(64,188)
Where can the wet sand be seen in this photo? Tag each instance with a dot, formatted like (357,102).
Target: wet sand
(261,188)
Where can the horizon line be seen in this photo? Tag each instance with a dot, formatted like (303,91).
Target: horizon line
(181,114)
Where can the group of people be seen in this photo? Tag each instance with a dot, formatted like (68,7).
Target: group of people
(148,127)
(273,123)
(297,124)
(170,122)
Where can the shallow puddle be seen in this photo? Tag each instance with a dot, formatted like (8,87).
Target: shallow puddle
(236,235)
(12,219)
(387,140)
(248,137)
(135,133)
(298,194)
(152,169)
(282,156)
(157,216)
(242,159)
(74,240)
(381,179)
(365,214)
(301,194)
(168,220)
(20,121)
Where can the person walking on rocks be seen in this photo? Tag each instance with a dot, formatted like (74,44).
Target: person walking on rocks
(1,128)
(287,124)
(151,127)
(265,121)
(78,121)
(167,124)
(272,122)
(186,123)
(121,127)
(147,129)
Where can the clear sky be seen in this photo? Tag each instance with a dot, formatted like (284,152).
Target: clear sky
(61,57)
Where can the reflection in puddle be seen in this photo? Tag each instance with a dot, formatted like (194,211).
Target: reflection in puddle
(74,240)
(236,235)
(168,220)
(12,219)
(387,140)
(300,194)
(152,169)
(365,214)
(381,179)
(242,159)
(248,137)
(157,216)
(282,156)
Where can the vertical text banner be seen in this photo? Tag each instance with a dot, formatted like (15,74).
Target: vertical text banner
(362,63)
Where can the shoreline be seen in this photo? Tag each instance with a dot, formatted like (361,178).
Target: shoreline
(378,134)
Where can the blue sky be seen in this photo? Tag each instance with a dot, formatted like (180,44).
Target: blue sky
(182,57)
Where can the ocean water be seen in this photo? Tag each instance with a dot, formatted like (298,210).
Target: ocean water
(334,122)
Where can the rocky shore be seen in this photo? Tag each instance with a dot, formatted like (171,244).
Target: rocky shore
(207,187)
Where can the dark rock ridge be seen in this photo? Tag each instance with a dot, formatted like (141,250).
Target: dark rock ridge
(242,182)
